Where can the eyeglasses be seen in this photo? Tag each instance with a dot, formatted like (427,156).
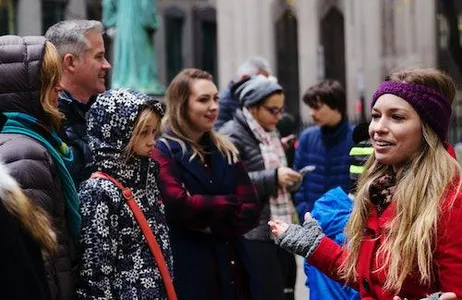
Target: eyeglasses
(275,111)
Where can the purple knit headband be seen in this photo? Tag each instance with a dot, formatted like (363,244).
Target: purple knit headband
(432,107)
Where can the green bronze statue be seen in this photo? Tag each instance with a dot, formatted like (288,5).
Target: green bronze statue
(134,61)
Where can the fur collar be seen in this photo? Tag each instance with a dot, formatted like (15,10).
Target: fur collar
(7,183)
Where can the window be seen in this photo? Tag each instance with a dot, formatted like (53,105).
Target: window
(7,17)
(174,23)
(52,12)
(205,40)
(209,48)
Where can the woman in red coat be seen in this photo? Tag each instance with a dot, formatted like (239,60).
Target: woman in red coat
(404,234)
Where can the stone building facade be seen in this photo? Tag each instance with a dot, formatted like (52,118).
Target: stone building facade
(355,41)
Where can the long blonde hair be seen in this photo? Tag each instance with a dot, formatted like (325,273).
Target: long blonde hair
(421,184)
(50,75)
(176,124)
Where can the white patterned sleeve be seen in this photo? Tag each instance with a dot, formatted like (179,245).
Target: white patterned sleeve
(98,242)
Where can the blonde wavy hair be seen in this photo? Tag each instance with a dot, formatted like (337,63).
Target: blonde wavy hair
(50,75)
(421,184)
(176,124)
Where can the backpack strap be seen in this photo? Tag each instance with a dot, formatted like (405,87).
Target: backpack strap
(147,232)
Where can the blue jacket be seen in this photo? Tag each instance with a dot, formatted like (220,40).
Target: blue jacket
(332,211)
(329,152)
(228,106)
(75,135)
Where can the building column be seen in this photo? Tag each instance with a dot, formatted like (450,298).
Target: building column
(245,28)
(29,17)
(308,44)
(76,9)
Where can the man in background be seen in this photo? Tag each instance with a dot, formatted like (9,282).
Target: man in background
(84,66)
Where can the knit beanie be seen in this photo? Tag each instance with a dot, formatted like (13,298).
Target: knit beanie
(432,107)
(254,90)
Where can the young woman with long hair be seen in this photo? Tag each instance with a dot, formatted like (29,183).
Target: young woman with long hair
(403,237)
(209,199)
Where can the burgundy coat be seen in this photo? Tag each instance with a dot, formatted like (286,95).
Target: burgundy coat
(208,207)
(447,257)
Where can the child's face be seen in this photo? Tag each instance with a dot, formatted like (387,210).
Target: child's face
(145,140)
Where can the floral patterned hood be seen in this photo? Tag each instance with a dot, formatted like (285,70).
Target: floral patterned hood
(110,123)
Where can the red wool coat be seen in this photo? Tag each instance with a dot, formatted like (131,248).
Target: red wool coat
(447,257)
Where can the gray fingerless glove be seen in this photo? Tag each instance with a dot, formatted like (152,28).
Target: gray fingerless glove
(301,240)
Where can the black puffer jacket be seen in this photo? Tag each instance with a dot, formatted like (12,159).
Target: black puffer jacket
(264,180)
(74,132)
(28,161)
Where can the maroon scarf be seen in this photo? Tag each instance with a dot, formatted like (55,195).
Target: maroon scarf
(382,190)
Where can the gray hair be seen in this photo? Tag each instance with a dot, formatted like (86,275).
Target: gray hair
(253,66)
(70,36)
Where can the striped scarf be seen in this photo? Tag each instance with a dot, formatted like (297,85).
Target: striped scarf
(25,124)
(273,157)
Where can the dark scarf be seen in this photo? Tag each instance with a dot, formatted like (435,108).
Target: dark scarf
(382,190)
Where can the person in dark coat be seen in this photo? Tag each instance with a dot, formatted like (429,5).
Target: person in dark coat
(26,232)
(32,150)
(209,199)
(253,131)
(288,129)
(116,260)
(84,67)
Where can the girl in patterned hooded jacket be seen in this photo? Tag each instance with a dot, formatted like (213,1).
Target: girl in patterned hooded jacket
(116,260)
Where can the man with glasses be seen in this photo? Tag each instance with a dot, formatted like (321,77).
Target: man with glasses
(326,146)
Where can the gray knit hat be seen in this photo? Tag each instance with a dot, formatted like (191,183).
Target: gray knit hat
(255,90)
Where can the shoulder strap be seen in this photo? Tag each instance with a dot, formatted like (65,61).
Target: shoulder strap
(147,232)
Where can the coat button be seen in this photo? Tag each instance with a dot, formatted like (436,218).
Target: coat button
(366,285)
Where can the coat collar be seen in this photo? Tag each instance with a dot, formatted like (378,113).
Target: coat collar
(339,130)
(215,160)
(379,223)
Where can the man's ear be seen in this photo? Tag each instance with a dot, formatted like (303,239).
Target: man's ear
(69,62)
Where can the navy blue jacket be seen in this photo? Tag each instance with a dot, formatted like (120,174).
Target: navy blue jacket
(208,209)
(75,135)
(329,152)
